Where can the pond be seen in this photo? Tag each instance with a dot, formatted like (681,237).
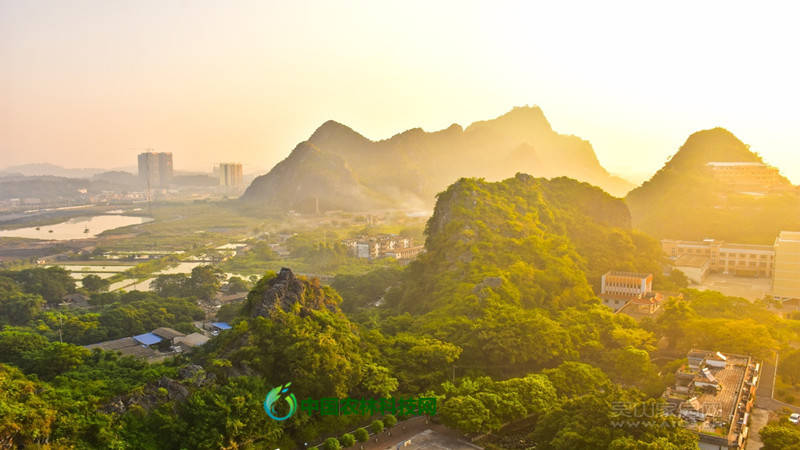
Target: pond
(76,228)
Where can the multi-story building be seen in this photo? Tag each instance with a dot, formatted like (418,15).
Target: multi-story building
(735,259)
(786,275)
(747,176)
(713,395)
(230,174)
(632,290)
(155,169)
(386,245)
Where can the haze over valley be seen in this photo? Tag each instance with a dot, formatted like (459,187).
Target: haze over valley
(365,225)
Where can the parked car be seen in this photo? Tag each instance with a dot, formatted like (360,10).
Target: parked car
(795,418)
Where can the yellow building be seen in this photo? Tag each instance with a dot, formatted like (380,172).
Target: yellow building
(747,176)
(786,275)
(727,258)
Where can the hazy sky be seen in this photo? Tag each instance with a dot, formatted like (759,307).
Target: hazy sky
(91,83)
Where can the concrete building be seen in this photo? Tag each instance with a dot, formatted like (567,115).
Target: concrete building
(155,169)
(405,253)
(230,174)
(786,276)
(747,176)
(695,267)
(630,291)
(734,259)
(385,245)
(714,394)
(626,283)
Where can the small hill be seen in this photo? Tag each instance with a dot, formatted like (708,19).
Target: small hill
(339,168)
(684,200)
(291,328)
(287,292)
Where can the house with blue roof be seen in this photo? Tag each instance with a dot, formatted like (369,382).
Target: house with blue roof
(147,339)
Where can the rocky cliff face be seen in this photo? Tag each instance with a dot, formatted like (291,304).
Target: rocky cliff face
(337,168)
(287,292)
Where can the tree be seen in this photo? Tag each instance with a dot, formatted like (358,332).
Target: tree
(19,308)
(331,444)
(466,414)
(789,367)
(205,281)
(347,440)
(94,283)
(361,435)
(25,417)
(389,420)
(674,321)
(376,426)
(236,284)
(52,283)
(171,285)
(777,436)
(573,379)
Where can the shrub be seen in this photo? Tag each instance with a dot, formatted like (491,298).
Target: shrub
(389,420)
(361,435)
(376,427)
(331,444)
(347,440)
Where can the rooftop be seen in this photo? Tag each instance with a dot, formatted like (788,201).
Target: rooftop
(692,261)
(192,340)
(789,236)
(147,339)
(126,346)
(628,274)
(721,409)
(167,333)
(116,344)
(735,164)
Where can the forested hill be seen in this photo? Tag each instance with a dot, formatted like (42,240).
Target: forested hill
(505,260)
(337,168)
(683,200)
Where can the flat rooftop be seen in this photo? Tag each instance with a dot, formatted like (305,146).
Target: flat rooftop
(735,164)
(628,274)
(692,261)
(723,405)
(127,346)
(789,236)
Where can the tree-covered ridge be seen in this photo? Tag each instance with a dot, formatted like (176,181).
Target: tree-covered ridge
(534,242)
(683,201)
(505,278)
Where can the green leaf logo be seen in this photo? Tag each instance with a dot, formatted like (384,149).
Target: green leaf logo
(276,395)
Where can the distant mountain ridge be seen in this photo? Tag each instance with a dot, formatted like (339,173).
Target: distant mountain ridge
(338,168)
(684,201)
(46,169)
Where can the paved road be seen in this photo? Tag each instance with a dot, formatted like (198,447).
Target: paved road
(765,389)
(758,419)
(442,438)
